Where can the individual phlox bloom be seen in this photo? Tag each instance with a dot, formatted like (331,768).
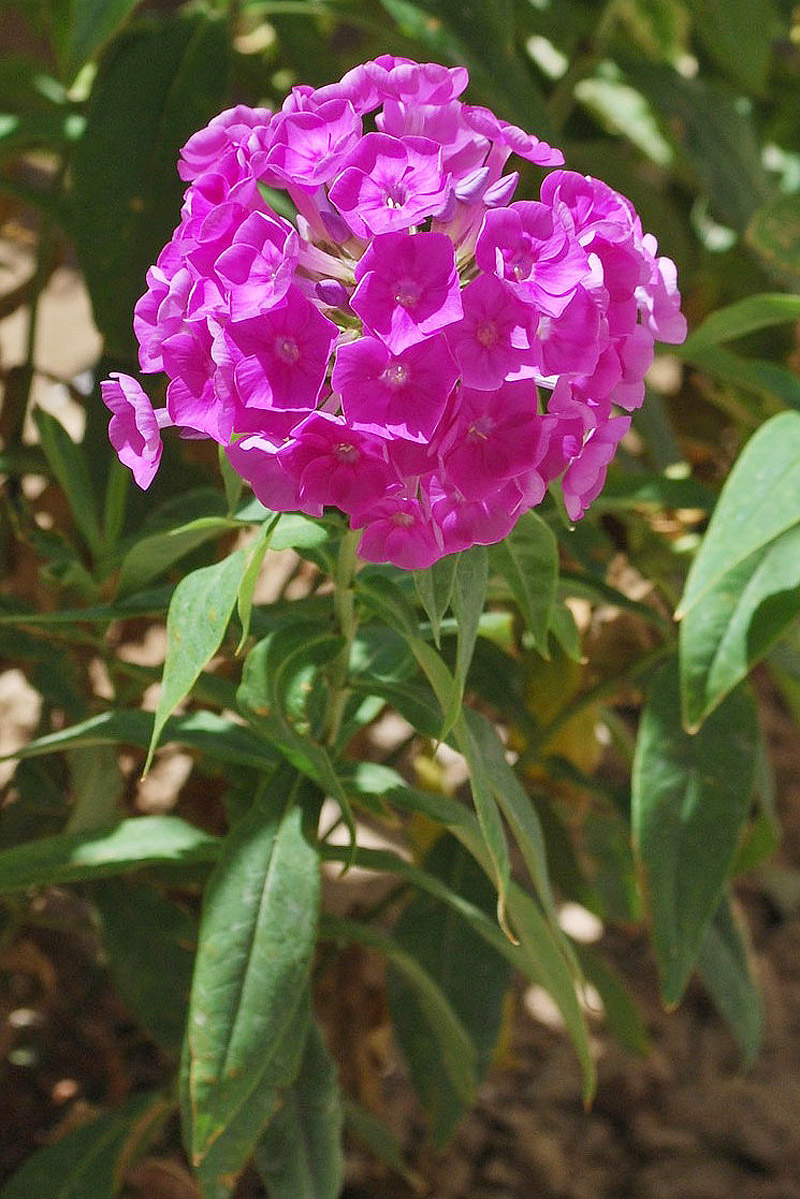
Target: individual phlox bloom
(398,530)
(661,299)
(282,354)
(338,465)
(524,245)
(255,459)
(160,312)
(404,394)
(584,477)
(419,82)
(192,400)
(570,342)
(495,335)
(259,265)
(462,522)
(495,435)
(463,149)
(135,428)
(230,128)
(407,287)
(309,147)
(511,137)
(390,184)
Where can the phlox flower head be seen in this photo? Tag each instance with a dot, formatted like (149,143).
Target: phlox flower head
(414,346)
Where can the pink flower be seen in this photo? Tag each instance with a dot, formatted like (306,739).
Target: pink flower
(402,394)
(383,351)
(390,184)
(407,288)
(134,429)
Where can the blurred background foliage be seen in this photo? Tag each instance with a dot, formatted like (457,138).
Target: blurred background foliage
(689,107)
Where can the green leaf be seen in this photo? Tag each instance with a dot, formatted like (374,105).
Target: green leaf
(198,616)
(156,86)
(756,375)
(469,597)
(434,588)
(716,135)
(528,561)
(98,786)
(277,682)
(621,1013)
(726,969)
(78,857)
(737,622)
(690,799)
(742,589)
(300,1154)
(149,945)
(89,1160)
(224,739)
(760,500)
(551,961)
(381,1142)
(458,1051)
(741,46)
(244,600)
(68,463)
(745,316)
(774,234)
(445,945)
(153,555)
(249,1004)
(92,24)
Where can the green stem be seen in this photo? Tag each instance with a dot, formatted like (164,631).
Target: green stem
(344,605)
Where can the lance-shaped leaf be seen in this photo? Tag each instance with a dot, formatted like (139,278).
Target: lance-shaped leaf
(68,463)
(528,561)
(152,555)
(469,596)
(742,588)
(299,1156)
(457,1049)
(434,587)
(198,616)
(725,967)
(89,1160)
(249,1004)
(451,951)
(690,799)
(80,857)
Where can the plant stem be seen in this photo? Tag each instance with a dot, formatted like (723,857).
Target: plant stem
(344,605)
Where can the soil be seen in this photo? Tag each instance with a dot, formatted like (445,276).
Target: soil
(683,1122)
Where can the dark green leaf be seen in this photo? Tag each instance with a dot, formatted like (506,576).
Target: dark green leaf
(249,1005)
(224,739)
(68,463)
(469,596)
(528,561)
(155,87)
(198,616)
(739,45)
(300,1154)
(774,234)
(745,316)
(151,556)
(88,1161)
(379,1140)
(726,969)
(76,857)
(742,589)
(149,943)
(756,375)
(434,589)
(92,24)
(458,1051)
(690,799)
(621,1013)
(448,948)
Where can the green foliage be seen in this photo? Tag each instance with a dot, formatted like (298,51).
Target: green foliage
(512,657)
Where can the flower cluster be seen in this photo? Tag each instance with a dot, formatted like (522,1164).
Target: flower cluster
(413,345)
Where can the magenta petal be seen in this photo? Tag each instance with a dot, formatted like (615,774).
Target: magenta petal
(134,428)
